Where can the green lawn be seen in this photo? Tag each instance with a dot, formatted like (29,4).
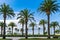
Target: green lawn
(39,39)
(5,39)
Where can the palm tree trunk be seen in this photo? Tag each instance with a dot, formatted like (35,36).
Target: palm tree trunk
(12,30)
(26,29)
(4,25)
(33,30)
(43,29)
(22,29)
(54,30)
(1,30)
(48,26)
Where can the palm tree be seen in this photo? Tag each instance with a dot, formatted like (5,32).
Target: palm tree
(1,24)
(43,22)
(7,12)
(32,24)
(12,24)
(49,7)
(54,24)
(22,22)
(26,15)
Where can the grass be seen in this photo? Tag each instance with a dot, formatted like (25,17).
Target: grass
(39,39)
(5,39)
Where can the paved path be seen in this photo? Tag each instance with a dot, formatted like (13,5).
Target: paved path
(17,38)
(13,38)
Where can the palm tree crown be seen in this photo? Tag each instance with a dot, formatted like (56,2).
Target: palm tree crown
(49,6)
(12,24)
(54,24)
(32,24)
(1,24)
(26,15)
(42,22)
(6,10)
(21,21)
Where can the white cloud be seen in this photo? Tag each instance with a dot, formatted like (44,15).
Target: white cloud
(16,12)
(8,21)
(16,15)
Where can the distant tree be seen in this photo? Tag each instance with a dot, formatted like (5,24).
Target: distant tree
(54,24)
(12,24)
(2,25)
(43,22)
(32,24)
(21,21)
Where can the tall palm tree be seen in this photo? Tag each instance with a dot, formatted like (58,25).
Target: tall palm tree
(2,25)
(12,24)
(49,7)
(21,21)
(54,24)
(26,15)
(6,11)
(43,22)
(32,24)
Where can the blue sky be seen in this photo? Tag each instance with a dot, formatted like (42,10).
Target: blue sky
(32,5)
